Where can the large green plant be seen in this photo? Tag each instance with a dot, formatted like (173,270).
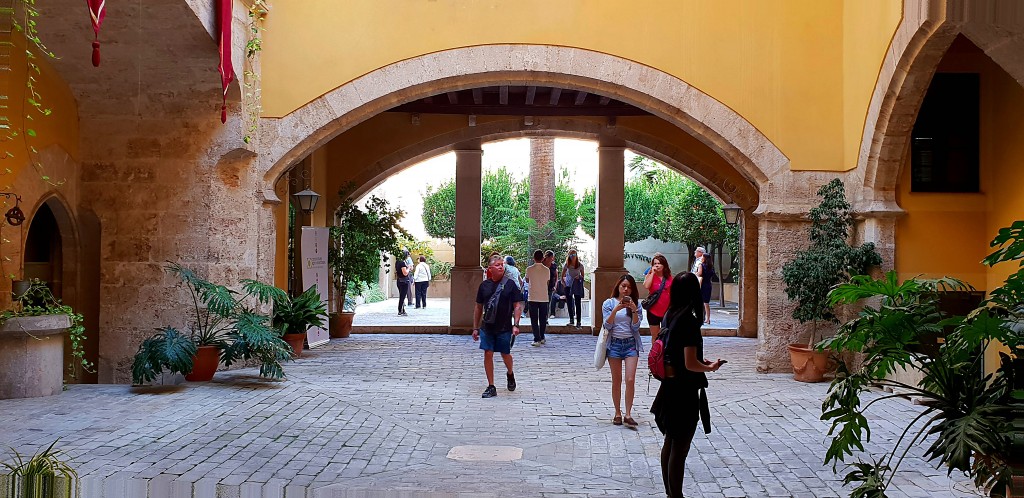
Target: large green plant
(39,300)
(232,321)
(828,261)
(359,241)
(166,351)
(975,422)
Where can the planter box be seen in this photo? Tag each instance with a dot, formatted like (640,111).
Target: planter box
(32,356)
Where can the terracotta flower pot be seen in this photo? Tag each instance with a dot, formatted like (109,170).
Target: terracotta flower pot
(295,341)
(204,364)
(809,365)
(341,324)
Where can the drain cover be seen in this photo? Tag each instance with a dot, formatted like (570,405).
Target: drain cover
(473,453)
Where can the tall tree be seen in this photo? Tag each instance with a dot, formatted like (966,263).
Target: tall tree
(542,181)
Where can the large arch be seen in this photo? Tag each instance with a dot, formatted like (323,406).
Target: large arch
(287,140)
(922,38)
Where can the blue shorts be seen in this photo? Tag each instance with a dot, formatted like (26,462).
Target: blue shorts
(499,342)
(620,349)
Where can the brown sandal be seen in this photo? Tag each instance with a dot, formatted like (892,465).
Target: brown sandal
(617,420)
(630,423)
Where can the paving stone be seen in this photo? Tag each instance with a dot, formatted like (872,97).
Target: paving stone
(377,415)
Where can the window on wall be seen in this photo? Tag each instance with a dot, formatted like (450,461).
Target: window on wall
(944,144)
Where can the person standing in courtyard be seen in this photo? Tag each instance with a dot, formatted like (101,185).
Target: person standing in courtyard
(499,304)
(658,280)
(621,316)
(707,277)
(402,270)
(422,278)
(572,274)
(681,401)
(512,272)
(538,276)
(410,289)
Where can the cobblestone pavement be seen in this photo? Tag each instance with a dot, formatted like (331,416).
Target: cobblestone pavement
(377,415)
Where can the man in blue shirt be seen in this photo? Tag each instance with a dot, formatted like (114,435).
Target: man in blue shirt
(498,333)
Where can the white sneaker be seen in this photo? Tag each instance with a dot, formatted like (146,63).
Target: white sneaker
(543,341)
(536,343)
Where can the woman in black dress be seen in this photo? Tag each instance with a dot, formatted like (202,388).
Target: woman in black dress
(677,407)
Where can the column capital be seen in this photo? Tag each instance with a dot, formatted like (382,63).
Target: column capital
(611,148)
(468,151)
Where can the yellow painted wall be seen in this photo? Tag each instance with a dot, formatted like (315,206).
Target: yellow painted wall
(60,127)
(949,234)
(802,71)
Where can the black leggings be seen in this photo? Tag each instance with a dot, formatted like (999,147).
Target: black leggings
(403,293)
(574,303)
(673,459)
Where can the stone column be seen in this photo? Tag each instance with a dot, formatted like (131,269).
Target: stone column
(609,225)
(467,273)
(748,275)
(779,237)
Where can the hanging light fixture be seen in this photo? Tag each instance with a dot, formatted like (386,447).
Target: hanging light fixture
(732,213)
(307,200)
(15,216)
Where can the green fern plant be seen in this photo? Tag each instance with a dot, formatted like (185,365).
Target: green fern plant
(294,315)
(44,475)
(167,350)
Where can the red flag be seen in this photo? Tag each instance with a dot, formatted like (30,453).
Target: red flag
(227,73)
(97,11)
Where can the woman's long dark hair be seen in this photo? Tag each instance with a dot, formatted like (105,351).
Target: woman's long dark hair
(632,291)
(666,272)
(685,296)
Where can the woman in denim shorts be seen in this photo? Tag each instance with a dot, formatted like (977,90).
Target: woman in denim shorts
(622,319)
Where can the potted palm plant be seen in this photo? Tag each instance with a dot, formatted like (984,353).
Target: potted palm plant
(293,316)
(828,261)
(359,239)
(976,419)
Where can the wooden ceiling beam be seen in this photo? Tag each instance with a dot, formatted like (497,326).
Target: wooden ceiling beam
(556,93)
(604,100)
(580,97)
(567,109)
(478,96)
(531,93)
(503,95)
(453,98)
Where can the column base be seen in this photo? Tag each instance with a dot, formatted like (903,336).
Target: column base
(601,288)
(465,282)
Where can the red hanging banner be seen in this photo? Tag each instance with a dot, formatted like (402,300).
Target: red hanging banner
(227,72)
(97,11)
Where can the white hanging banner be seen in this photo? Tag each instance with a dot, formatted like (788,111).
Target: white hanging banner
(314,272)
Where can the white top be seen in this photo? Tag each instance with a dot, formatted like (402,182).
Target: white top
(512,273)
(622,326)
(538,274)
(422,272)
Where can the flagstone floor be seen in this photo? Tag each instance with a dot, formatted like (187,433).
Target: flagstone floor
(401,415)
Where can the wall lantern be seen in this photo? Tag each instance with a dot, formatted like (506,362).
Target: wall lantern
(15,216)
(307,200)
(732,213)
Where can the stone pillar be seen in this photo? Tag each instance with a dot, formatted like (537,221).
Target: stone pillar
(609,226)
(467,273)
(748,275)
(779,237)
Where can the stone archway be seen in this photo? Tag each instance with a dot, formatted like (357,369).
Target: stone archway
(921,40)
(745,149)
(723,186)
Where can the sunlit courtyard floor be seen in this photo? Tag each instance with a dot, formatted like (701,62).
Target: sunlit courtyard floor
(393,415)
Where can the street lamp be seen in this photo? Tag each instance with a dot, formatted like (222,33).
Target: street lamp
(732,213)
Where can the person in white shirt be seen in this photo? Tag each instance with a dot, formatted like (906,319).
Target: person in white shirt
(537,276)
(621,315)
(422,278)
